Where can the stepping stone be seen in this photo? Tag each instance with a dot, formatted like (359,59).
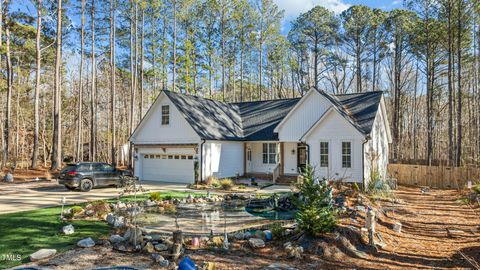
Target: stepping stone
(41,254)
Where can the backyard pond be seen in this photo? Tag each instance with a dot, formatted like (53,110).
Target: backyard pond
(210,218)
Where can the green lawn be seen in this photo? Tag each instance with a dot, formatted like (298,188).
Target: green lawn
(25,232)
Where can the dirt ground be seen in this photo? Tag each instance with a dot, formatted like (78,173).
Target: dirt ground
(424,242)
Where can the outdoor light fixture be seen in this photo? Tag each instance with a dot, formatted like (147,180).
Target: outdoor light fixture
(293,151)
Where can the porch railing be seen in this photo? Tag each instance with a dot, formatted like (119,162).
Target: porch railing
(276,173)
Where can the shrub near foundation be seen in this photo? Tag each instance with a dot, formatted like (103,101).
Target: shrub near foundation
(226,184)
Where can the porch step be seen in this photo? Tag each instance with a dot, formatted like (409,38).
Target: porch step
(286,179)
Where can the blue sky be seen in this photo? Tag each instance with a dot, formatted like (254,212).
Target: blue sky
(293,8)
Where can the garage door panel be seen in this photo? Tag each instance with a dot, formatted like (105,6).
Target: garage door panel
(168,168)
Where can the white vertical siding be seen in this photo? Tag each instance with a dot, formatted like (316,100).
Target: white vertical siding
(257,158)
(335,129)
(290,158)
(151,129)
(311,108)
(222,159)
(376,149)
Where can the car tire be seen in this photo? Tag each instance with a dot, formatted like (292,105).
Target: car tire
(86,185)
(71,188)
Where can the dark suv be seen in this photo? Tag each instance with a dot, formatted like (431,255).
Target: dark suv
(87,175)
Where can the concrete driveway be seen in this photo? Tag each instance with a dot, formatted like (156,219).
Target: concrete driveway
(21,197)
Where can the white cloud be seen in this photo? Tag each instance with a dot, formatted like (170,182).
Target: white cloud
(293,8)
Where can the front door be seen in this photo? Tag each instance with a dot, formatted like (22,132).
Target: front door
(301,157)
(249,159)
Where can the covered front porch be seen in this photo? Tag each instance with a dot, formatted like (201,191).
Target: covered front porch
(275,161)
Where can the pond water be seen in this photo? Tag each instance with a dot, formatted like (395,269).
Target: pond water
(204,218)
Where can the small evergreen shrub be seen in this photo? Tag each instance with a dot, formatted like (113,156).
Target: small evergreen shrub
(226,184)
(316,213)
(76,210)
(277,231)
(155,196)
(476,188)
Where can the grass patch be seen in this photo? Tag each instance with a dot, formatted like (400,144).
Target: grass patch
(25,232)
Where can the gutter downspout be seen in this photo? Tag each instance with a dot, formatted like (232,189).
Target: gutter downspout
(201,160)
(367,138)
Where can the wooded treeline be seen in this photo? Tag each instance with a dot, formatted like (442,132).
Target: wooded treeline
(77,76)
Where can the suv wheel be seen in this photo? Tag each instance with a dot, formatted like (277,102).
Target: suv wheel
(86,185)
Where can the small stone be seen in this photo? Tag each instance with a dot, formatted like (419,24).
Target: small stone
(397,227)
(161,247)
(239,236)
(157,257)
(156,237)
(150,203)
(42,254)
(110,218)
(164,263)
(147,238)
(247,235)
(256,243)
(149,247)
(67,230)
(8,178)
(86,243)
(119,222)
(279,266)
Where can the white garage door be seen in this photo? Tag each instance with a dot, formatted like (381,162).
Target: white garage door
(168,168)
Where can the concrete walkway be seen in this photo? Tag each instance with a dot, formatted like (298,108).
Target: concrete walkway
(22,197)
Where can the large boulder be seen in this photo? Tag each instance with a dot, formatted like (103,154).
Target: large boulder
(68,229)
(41,254)
(256,243)
(135,236)
(86,243)
(8,178)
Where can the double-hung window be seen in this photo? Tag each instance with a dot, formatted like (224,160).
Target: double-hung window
(346,154)
(324,154)
(165,115)
(269,153)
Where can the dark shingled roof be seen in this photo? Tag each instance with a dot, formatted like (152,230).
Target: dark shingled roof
(255,121)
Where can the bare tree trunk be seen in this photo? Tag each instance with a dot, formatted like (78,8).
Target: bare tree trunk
(450,86)
(57,110)
(174,43)
(80,90)
(164,50)
(93,134)
(459,83)
(37,85)
(142,39)
(222,25)
(8,109)
(113,14)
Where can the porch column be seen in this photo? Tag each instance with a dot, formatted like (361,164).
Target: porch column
(282,158)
